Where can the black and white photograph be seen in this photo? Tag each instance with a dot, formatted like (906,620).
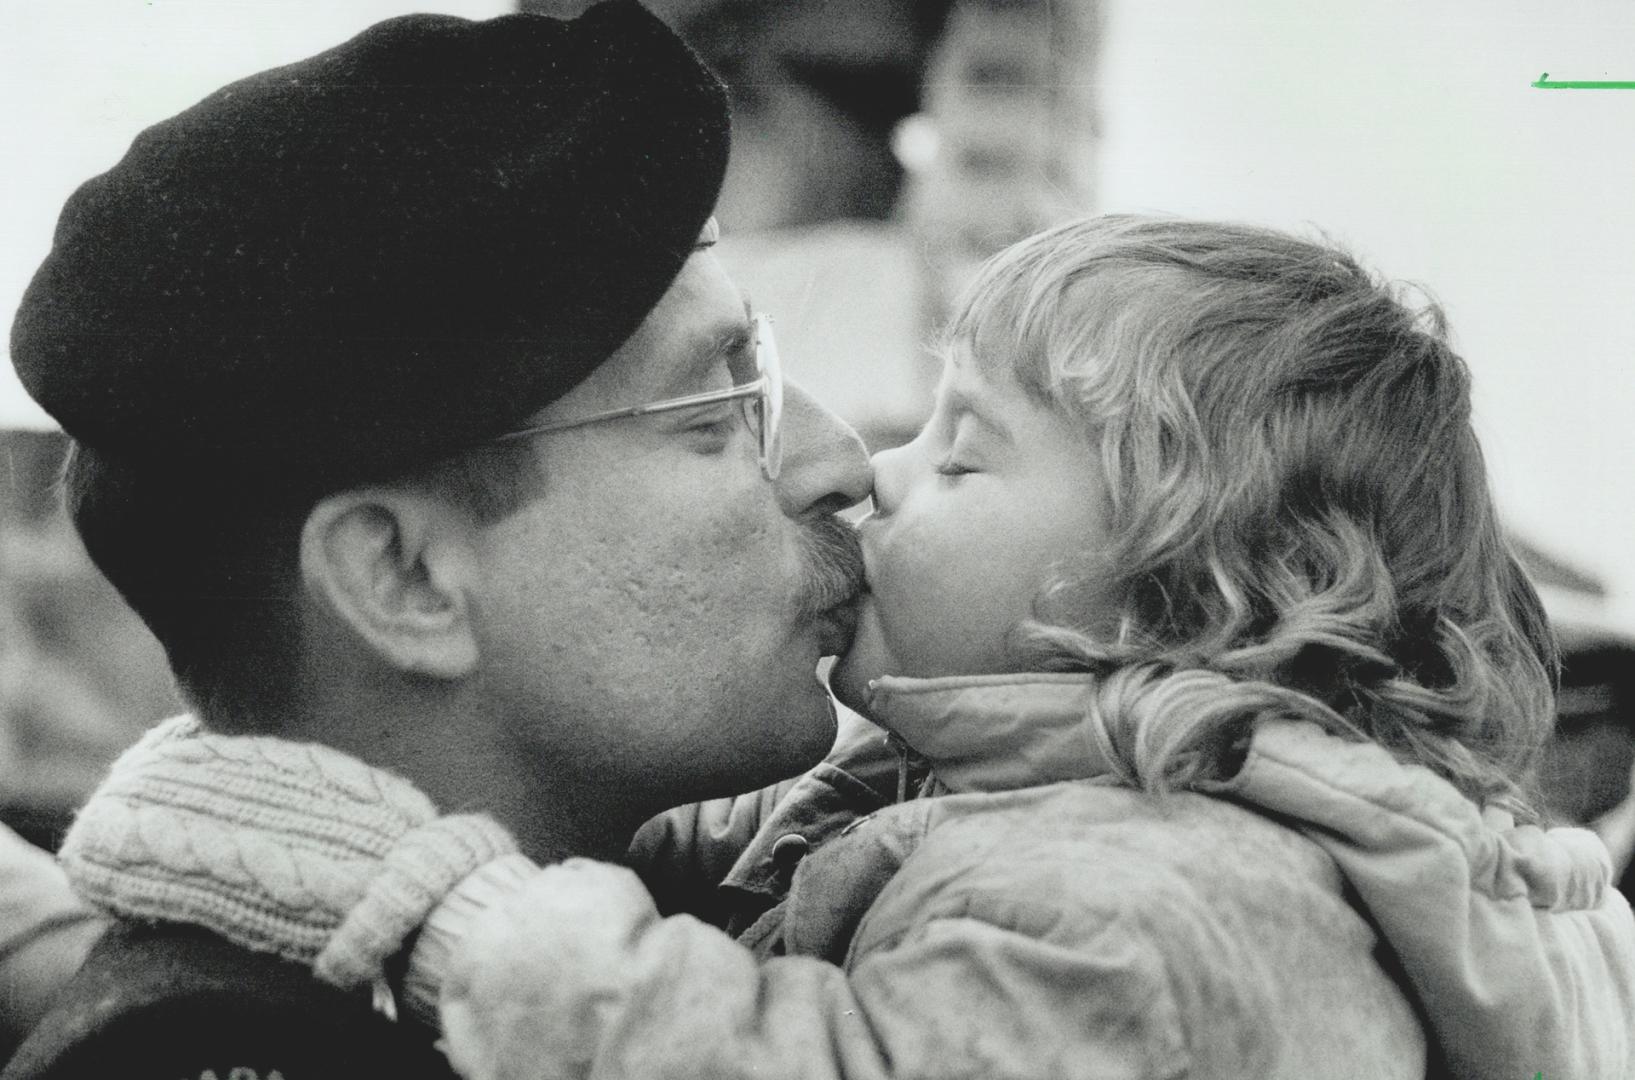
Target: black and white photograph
(832,539)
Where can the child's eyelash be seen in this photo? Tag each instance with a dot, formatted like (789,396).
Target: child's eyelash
(950,467)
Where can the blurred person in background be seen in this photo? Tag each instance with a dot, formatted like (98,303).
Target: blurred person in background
(1587,771)
(1589,764)
(45,933)
(80,679)
(881,151)
(80,676)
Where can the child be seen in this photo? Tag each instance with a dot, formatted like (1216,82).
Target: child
(1192,595)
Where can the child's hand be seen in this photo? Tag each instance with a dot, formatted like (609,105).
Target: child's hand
(504,1009)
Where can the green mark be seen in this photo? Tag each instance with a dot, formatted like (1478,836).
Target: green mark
(1544,83)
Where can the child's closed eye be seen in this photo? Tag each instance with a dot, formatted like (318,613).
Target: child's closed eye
(951,467)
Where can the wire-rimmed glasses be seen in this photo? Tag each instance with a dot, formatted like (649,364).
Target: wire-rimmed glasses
(762,403)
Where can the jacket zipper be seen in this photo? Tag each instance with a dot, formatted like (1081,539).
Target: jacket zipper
(901,749)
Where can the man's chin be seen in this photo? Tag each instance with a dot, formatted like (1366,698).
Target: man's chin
(803,734)
(802,746)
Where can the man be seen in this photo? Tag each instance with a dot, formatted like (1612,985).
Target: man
(415,416)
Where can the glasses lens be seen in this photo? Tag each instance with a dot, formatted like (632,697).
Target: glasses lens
(770,402)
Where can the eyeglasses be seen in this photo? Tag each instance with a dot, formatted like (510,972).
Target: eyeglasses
(762,403)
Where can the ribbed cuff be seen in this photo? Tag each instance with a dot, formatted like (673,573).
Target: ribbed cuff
(445,927)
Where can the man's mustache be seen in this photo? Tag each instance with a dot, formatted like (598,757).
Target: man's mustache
(834,566)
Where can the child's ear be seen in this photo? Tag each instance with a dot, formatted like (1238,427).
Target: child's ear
(395,568)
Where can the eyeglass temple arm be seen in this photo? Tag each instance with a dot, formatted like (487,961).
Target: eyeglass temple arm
(710,397)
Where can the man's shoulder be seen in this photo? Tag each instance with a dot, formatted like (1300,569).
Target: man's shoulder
(177,1003)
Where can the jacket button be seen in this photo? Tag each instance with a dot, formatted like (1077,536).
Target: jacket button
(790,849)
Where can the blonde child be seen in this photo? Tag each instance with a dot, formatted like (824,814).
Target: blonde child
(1215,687)
(1192,596)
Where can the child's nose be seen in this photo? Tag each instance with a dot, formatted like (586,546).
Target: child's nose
(890,477)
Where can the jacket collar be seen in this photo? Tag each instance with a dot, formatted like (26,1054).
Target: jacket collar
(993,732)
(978,733)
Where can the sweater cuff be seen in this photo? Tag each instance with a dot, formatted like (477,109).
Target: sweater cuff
(445,927)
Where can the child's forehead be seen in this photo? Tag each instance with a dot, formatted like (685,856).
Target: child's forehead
(1006,353)
(981,357)
(960,364)
(969,380)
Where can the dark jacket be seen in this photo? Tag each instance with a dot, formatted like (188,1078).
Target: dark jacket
(178,1003)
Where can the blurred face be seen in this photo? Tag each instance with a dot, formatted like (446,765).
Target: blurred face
(970,519)
(653,620)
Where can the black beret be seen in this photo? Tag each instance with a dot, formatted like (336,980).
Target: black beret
(352,265)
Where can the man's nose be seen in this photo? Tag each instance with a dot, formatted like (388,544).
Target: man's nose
(825,467)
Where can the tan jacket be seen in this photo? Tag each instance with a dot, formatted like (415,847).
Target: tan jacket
(1329,912)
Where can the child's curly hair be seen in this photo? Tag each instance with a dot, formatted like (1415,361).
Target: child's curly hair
(1299,522)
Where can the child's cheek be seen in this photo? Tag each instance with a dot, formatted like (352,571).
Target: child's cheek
(926,581)
(914,561)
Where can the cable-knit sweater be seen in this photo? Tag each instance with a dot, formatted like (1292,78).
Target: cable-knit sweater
(278,846)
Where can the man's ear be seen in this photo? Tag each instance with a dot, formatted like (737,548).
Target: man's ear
(394,567)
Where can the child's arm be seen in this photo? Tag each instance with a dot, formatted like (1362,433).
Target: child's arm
(578,976)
